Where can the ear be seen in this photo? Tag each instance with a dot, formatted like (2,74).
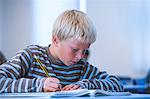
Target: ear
(55,40)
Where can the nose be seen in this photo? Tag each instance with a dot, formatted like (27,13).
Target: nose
(79,56)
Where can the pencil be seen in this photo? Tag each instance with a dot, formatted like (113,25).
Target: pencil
(42,67)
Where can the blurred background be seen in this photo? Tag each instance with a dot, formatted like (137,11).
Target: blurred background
(123,30)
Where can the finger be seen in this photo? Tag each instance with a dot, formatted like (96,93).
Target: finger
(68,87)
(50,89)
(52,79)
(65,88)
(75,87)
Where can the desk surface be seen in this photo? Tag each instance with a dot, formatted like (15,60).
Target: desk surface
(47,96)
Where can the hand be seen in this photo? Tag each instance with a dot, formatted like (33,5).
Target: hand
(51,84)
(71,87)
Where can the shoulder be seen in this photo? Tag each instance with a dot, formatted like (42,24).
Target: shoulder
(86,65)
(36,49)
(32,49)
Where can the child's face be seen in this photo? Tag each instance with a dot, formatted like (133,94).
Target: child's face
(71,51)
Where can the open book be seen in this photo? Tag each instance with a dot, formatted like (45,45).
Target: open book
(92,93)
(71,93)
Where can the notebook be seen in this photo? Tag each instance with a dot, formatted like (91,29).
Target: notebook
(91,93)
(71,93)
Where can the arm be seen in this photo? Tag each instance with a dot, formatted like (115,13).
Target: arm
(92,78)
(13,72)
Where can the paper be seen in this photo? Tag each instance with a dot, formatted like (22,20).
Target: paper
(92,93)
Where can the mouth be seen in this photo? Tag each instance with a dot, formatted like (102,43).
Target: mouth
(74,62)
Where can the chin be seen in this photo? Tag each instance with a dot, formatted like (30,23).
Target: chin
(68,64)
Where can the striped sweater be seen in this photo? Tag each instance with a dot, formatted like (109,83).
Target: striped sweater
(23,74)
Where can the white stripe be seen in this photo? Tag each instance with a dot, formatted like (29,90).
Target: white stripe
(88,68)
(8,72)
(16,59)
(110,85)
(34,75)
(25,61)
(103,74)
(27,54)
(32,86)
(107,87)
(20,83)
(1,82)
(113,84)
(39,52)
(41,84)
(118,84)
(5,84)
(26,85)
(40,58)
(86,85)
(91,85)
(37,85)
(95,83)
(13,86)
(37,70)
(101,85)
(16,65)
(11,67)
(92,73)
(97,71)
(2,72)
(36,63)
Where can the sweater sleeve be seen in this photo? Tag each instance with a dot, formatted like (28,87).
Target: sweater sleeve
(92,78)
(13,73)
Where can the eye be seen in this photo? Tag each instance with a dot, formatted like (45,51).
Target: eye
(75,50)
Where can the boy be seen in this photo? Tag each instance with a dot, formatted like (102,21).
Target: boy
(58,66)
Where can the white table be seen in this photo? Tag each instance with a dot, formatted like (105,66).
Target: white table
(48,96)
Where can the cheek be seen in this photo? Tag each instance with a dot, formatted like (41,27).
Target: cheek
(71,54)
(68,54)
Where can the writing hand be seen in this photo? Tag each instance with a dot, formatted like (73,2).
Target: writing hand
(51,84)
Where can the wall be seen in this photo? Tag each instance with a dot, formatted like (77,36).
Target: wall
(147,50)
(16,25)
(0,24)
(44,13)
(26,22)
(122,27)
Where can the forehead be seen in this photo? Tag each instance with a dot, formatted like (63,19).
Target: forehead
(77,44)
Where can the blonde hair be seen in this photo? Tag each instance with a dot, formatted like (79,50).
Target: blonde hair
(74,24)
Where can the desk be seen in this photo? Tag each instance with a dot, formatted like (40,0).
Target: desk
(47,96)
(137,88)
